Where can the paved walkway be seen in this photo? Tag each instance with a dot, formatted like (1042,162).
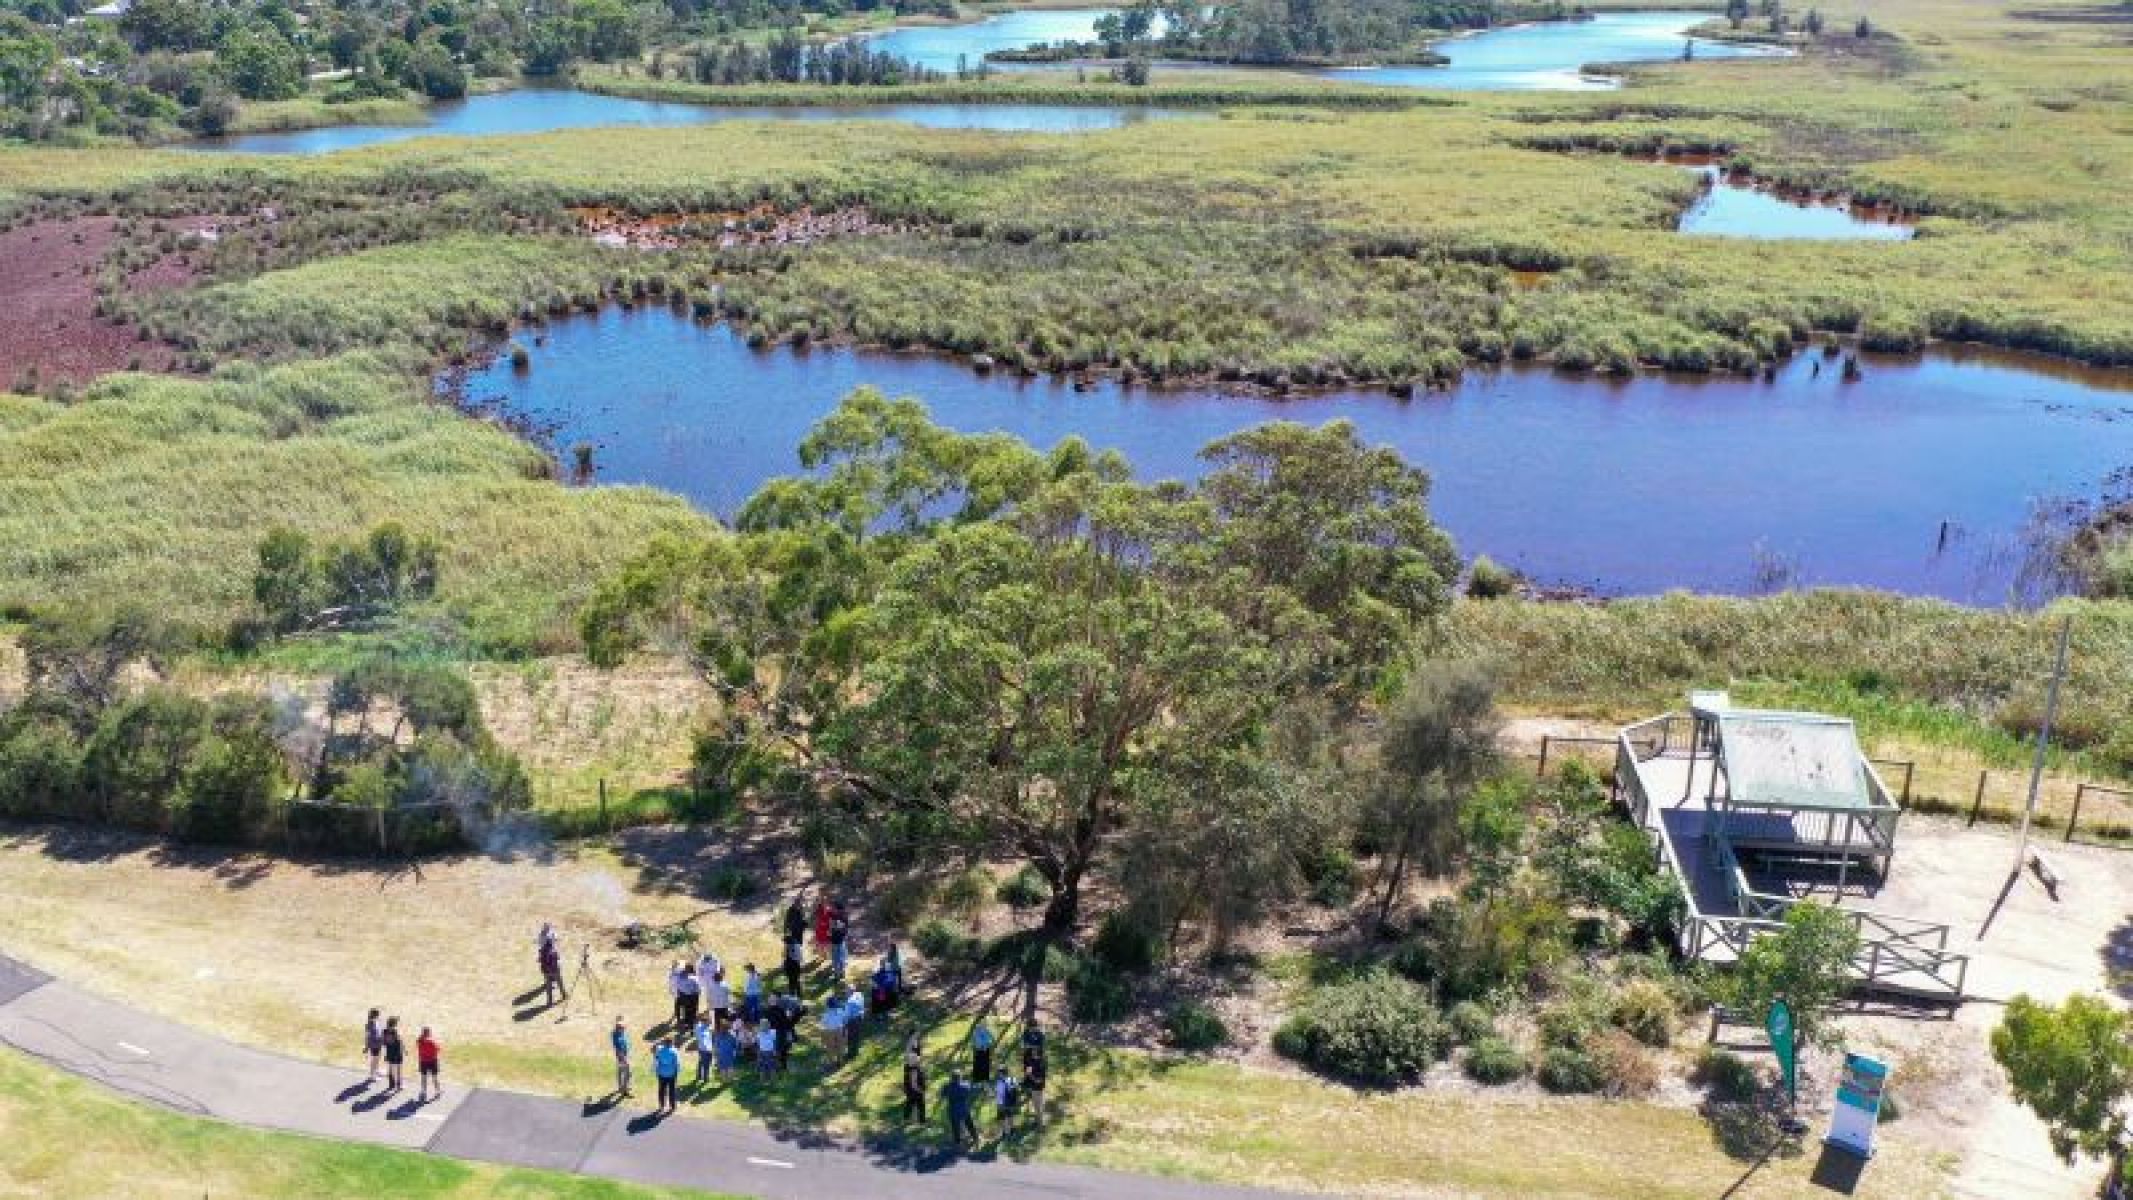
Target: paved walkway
(200,1075)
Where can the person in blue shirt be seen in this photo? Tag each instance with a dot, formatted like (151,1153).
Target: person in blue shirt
(620,1040)
(666,1064)
(962,1127)
(727,1045)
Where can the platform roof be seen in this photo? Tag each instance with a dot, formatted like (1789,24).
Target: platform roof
(1792,760)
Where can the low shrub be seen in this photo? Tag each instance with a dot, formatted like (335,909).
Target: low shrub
(1194,1027)
(965,894)
(1097,993)
(900,904)
(1567,1071)
(1725,1075)
(1470,1023)
(1645,1010)
(1494,1060)
(1487,580)
(730,883)
(1126,945)
(1576,1016)
(1331,875)
(1378,1029)
(943,943)
(1626,1070)
(1023,889)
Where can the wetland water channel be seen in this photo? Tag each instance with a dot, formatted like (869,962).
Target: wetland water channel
(540,110)
(1623,486)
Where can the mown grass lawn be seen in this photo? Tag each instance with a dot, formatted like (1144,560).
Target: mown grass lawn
(65,1139)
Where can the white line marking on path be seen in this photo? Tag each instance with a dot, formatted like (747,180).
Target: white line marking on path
(779,1163)
(130,1048)
(428,1117)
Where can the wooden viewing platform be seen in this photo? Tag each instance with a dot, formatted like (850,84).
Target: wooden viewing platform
(1793,812)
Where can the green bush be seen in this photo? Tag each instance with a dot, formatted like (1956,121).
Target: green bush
(1727,1075)
(40,768)
(1470,949)
(1330,874)
(1126,944)
(903,901)
(1645,1010)
(1470,1023)
(730,883)
(1379,1029)
(1494,1060)
(964,894)
(1582,1008)
(1487,580)
(943,943)
(1564,1070)
(1097,993)
(1024,889)
(1193,1027)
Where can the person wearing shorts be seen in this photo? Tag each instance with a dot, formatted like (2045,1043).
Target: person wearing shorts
(429,1066)
(395,1053)
(373,1041)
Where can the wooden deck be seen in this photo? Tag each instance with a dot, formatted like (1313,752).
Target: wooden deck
(1781,863)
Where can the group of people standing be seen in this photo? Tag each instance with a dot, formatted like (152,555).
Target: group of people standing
(961,1094)
(385,1048)
(756,1027)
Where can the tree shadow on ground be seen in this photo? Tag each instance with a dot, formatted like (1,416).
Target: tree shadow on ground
(1752,1130)
(2117,955)
(236,868)
(818,1102)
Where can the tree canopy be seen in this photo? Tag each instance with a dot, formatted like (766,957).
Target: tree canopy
(978,645)
(2072,1064)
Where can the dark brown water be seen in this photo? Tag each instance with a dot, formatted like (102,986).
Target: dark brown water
(1631,486)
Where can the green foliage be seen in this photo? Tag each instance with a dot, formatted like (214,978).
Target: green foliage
(2072,1065)
(1471,948)
(1644,1009)
(1439,742)
(1493,1060)
(1487,581)
(1378,1029)
(1470,1023)
(1729,1077)
(1098,993)
(1023,889)
(1807,962)
(341,584)
(1193,1027)
(941,942)
(1569,1071)
(1054,657)
(258,63)
(731,884)
(1126,944)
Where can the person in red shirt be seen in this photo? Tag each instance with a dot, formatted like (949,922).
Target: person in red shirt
(822,926)
(427,1062)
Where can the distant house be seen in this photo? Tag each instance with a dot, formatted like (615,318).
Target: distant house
(112,11)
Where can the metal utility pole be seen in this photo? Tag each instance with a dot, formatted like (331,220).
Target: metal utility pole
(2044,737)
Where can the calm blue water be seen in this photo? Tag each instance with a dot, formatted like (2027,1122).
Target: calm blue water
(538,110)
(1547,56)
(1520,58)
(1629,487)
(939,46)
(1736,210)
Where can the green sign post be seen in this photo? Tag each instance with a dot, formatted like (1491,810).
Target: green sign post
(1785,1044)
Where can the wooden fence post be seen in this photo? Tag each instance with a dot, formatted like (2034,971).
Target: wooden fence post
(2074,818)
(382,847)
(1978,803)
(1543,772)
(603,806)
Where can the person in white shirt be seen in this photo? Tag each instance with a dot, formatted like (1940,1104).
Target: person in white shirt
(855,1017)
(708,968)
(686,995)
(766,1051)
(704,1050)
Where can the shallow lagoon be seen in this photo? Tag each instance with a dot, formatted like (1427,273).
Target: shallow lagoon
(1735,209)
(540,110)
(1624,486)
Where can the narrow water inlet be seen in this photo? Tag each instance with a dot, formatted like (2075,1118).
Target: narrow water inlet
(1737,205)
